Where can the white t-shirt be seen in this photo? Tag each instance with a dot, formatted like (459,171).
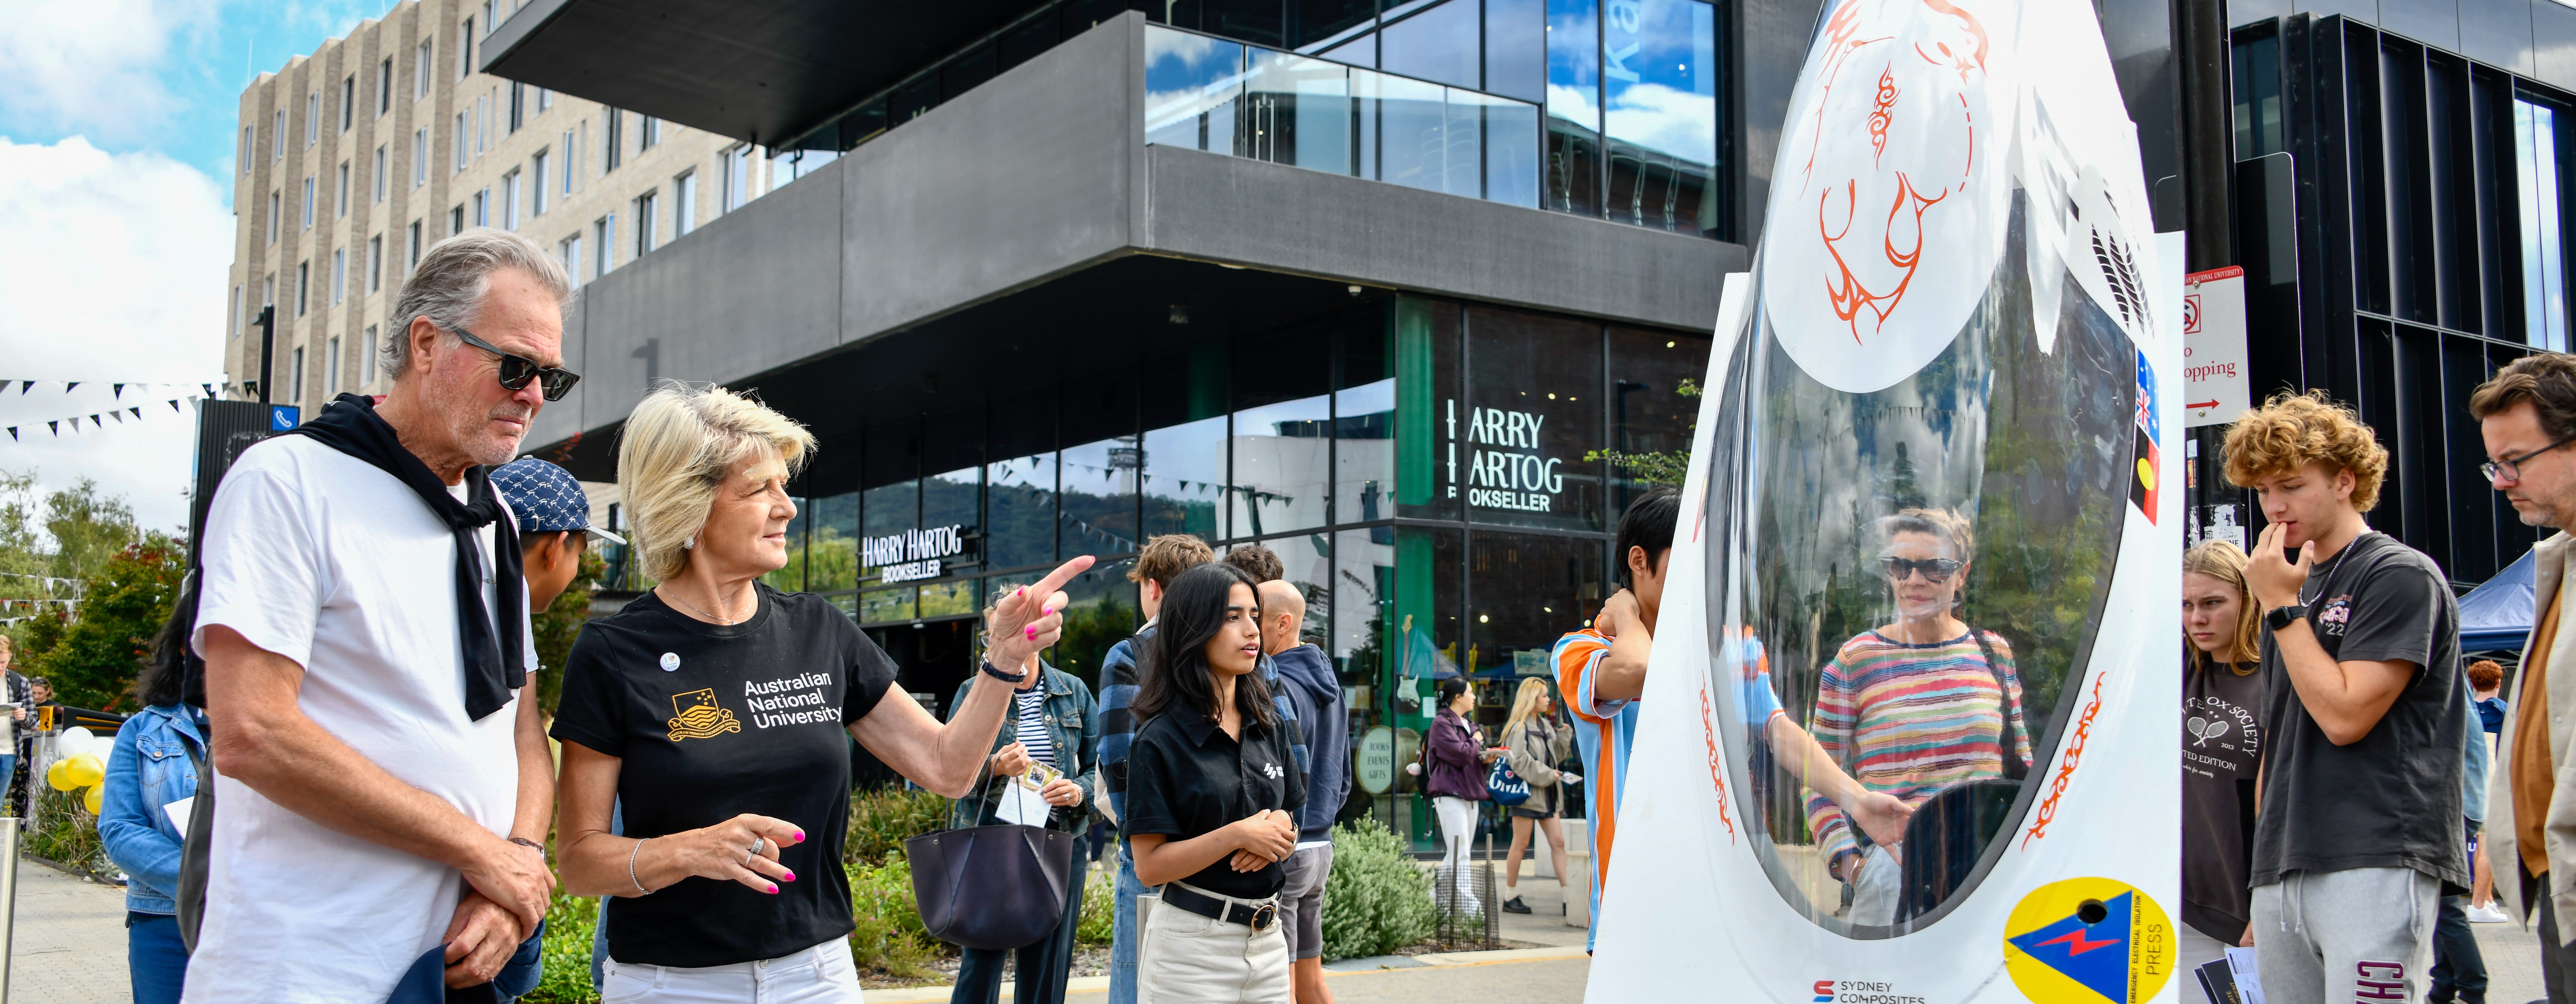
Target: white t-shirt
(318,556)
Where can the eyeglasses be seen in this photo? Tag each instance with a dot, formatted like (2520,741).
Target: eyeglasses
(2511,467)
(1934,569)
(516,371)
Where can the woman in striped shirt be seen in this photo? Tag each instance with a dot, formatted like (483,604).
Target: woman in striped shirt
(1915,705)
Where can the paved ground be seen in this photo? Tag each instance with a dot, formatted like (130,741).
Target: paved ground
(67,942)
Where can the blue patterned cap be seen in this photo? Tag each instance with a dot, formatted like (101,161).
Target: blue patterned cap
(547,498)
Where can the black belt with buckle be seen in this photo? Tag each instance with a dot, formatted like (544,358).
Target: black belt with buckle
(1258,918)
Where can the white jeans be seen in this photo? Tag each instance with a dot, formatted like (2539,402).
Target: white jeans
(1876,889)
(1457,827)
(822,974)
(1191,959)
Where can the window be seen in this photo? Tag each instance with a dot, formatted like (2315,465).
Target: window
(413,261)
(510,201)
(420,157)
(737,177)
(606,233)
(545,99)
(2541,174)
(247,132)
(368,361)
(277,137)
(339,274)
(380,173)
(537,184)
(645,205)
(233,319)
(491,19)
(273,213)
(465,49)
(348,102)
(456,221)
(518,104)
(649,134)
(331,372)
(609,146)
(483,207)
(571,248)
(482,123)
(385,87)
(684,202)
(1659,103)
(268,290)
(340,207)
(460,140)
(295,375)
(420,72)
(375,263)
(572,162)
(308,202)
(313,118)
(303,287)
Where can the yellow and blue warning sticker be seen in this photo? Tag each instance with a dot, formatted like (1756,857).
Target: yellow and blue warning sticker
(2089,941)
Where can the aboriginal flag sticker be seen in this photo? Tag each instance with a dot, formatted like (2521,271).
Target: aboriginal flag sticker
(2088,941)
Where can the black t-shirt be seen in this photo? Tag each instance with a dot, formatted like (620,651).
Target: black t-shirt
(2391,800)
(714,721)
(1186,778)
(2222,741)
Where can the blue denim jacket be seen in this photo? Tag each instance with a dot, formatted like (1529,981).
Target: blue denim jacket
(1073,726)
(150,768)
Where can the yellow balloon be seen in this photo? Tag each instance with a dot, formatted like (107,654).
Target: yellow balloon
(94,798)
(84,770)
(54,776)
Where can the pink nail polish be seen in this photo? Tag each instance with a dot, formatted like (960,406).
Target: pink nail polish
(791,876)
(773,890)
(800,836)
(1032,632)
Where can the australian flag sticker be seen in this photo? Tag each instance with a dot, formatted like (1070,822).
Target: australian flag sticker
(2142,486)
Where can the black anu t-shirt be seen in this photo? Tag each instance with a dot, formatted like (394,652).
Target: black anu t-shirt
(1186,778)
(2222,742)
(714,721)
(2391,800)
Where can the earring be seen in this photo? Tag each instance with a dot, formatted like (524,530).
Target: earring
(690,543)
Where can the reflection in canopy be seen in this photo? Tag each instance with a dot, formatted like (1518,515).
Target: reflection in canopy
(1911,576)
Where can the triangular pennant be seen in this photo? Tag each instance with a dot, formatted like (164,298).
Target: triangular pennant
(120,391)
(93,420)
(210,388)
(13,434)
(174,405)
(56,427)
(117,415)
(138,411)
(67,388)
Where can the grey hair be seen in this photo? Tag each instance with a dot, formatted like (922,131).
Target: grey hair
(449,284)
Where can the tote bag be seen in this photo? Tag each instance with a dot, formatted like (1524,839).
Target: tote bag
(992,887)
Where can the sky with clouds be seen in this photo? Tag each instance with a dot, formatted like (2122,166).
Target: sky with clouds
(116,223)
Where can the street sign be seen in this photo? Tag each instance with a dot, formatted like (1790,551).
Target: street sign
(2215,385)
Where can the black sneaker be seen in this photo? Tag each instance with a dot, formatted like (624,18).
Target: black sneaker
(1514,905)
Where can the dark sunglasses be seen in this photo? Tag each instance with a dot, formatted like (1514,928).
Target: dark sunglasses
(516,371)
(1934,569)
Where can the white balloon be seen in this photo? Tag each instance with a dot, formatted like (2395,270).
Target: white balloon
(78,740)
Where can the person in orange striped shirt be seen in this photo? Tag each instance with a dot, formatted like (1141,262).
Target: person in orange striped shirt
(1601,672)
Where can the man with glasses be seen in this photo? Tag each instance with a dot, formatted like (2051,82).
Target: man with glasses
(383,789)
(2527,416)
(2359,833)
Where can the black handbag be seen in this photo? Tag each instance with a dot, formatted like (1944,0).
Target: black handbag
(991,887)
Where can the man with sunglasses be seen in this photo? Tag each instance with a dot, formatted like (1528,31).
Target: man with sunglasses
(2527,416)
(2359,834)
(383,791)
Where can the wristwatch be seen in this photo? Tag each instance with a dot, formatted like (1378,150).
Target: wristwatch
(1014,679)
(2280,617)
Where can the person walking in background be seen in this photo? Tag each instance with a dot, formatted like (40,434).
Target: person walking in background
(1161,560)
(1536,746)
(2222,743)
(1454,758)
(2459,969)
(1053,722)
(1306,678)
(1212,800)
(17,730)
(2526,417)
(366,645)
(2358,836)
(143,820)
(2485,680)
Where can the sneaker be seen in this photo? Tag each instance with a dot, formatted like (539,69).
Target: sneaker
(2488,914)
(1514,905)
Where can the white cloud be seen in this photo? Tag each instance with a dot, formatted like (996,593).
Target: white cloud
(111,269)
(93,66)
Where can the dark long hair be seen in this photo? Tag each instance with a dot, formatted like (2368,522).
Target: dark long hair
(1173,673)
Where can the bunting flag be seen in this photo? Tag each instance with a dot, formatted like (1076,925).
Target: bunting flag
(67,388)
(120,392)
(99,419)
(56,427)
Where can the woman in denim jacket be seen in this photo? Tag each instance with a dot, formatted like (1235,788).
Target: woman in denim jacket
(154,764)
(1061,708)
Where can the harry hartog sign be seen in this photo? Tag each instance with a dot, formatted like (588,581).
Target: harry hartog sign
(912,554)
(1505,468)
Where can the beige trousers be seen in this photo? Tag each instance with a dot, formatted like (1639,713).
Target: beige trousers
(1190,959)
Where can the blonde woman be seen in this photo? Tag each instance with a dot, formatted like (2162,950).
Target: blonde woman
(714,710)
(2222,743)
(1537,745)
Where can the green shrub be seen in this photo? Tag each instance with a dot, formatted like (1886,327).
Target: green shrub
(65,832)
(881,820)
(1099,901)
(564,960)
(889,937)
(1376,900)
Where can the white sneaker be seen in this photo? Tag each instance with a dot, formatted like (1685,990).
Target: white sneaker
(2488,914)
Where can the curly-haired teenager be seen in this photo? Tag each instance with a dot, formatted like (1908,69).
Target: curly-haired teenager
(2358,836)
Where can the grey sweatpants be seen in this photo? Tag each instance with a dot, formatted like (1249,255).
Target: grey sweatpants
(2359,936)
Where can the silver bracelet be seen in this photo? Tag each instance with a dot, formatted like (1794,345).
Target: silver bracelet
(630,868)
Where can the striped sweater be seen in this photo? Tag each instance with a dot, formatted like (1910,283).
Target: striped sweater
(1910,720)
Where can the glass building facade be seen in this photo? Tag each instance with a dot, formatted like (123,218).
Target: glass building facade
(1442,480)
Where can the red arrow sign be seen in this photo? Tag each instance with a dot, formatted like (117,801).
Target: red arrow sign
(2202,404)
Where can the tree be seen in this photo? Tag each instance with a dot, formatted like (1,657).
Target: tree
(49,552)
(105,642)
